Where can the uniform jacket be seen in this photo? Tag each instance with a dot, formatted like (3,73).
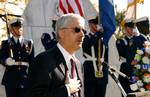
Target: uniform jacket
(47,41)
(47,75)
(127,49)
(16,75)
(89,41)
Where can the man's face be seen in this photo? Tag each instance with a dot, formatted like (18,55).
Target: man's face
(129,31)
(17,31)
(71,36)
(93,27)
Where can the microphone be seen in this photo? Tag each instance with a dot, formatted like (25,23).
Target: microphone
(117,71)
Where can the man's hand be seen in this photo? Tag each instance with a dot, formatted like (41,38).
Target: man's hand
(73,84)
(9,61)
(100,28)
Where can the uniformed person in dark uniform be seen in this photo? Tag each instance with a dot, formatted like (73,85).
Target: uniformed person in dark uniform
(127,47)
(95,72)
(47,41)
(16,55)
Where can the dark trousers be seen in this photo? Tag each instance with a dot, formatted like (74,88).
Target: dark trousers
(15,92)
(95,89)
(125,83)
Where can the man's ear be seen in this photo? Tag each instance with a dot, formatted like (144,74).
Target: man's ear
(10,29)
(61,33)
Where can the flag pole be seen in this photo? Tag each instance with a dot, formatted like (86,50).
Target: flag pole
(99,72)
(135,8)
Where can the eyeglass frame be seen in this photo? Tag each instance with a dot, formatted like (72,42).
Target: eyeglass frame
(76,29)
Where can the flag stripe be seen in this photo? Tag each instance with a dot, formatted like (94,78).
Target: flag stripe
(70,10)
(79,7)
(70,6)
(62,7)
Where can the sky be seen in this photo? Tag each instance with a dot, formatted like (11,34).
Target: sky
(142,9)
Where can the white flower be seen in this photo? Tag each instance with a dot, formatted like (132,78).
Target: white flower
(147,43)
(145,60)
(147,50)
(138,66)
(139,83)
(142,89)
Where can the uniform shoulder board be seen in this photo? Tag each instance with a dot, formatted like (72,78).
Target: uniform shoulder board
(31,41)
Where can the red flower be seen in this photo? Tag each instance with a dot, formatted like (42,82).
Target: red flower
(147,86)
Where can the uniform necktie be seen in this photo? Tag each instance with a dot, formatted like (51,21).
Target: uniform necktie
(18,43)
(73,68)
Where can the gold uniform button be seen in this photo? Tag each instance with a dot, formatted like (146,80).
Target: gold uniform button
(22,86)
(25,76)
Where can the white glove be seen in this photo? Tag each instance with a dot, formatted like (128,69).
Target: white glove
(10,61)
(100,28)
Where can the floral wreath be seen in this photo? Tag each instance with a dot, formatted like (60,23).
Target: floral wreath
(141,68)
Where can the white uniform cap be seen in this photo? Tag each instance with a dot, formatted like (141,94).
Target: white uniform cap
(16,21)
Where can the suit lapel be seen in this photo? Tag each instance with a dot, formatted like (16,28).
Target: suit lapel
(62,68)
(60,61)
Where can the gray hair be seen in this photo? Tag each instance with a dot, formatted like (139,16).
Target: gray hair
(65,19)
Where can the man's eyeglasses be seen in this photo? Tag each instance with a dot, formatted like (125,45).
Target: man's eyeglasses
(77,29)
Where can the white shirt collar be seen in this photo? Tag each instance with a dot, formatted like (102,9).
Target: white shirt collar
(20,39)
(66,54)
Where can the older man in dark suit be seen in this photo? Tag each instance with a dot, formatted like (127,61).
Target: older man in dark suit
(57,72)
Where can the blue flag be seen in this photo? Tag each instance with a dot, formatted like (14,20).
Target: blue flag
(107,18)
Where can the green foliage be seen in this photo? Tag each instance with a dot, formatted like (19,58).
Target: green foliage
(120,15)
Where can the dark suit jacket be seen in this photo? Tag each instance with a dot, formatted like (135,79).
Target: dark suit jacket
(47,75)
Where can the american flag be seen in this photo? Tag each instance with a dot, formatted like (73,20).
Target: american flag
(70,6)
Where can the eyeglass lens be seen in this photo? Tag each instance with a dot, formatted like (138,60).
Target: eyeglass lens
(77,30)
